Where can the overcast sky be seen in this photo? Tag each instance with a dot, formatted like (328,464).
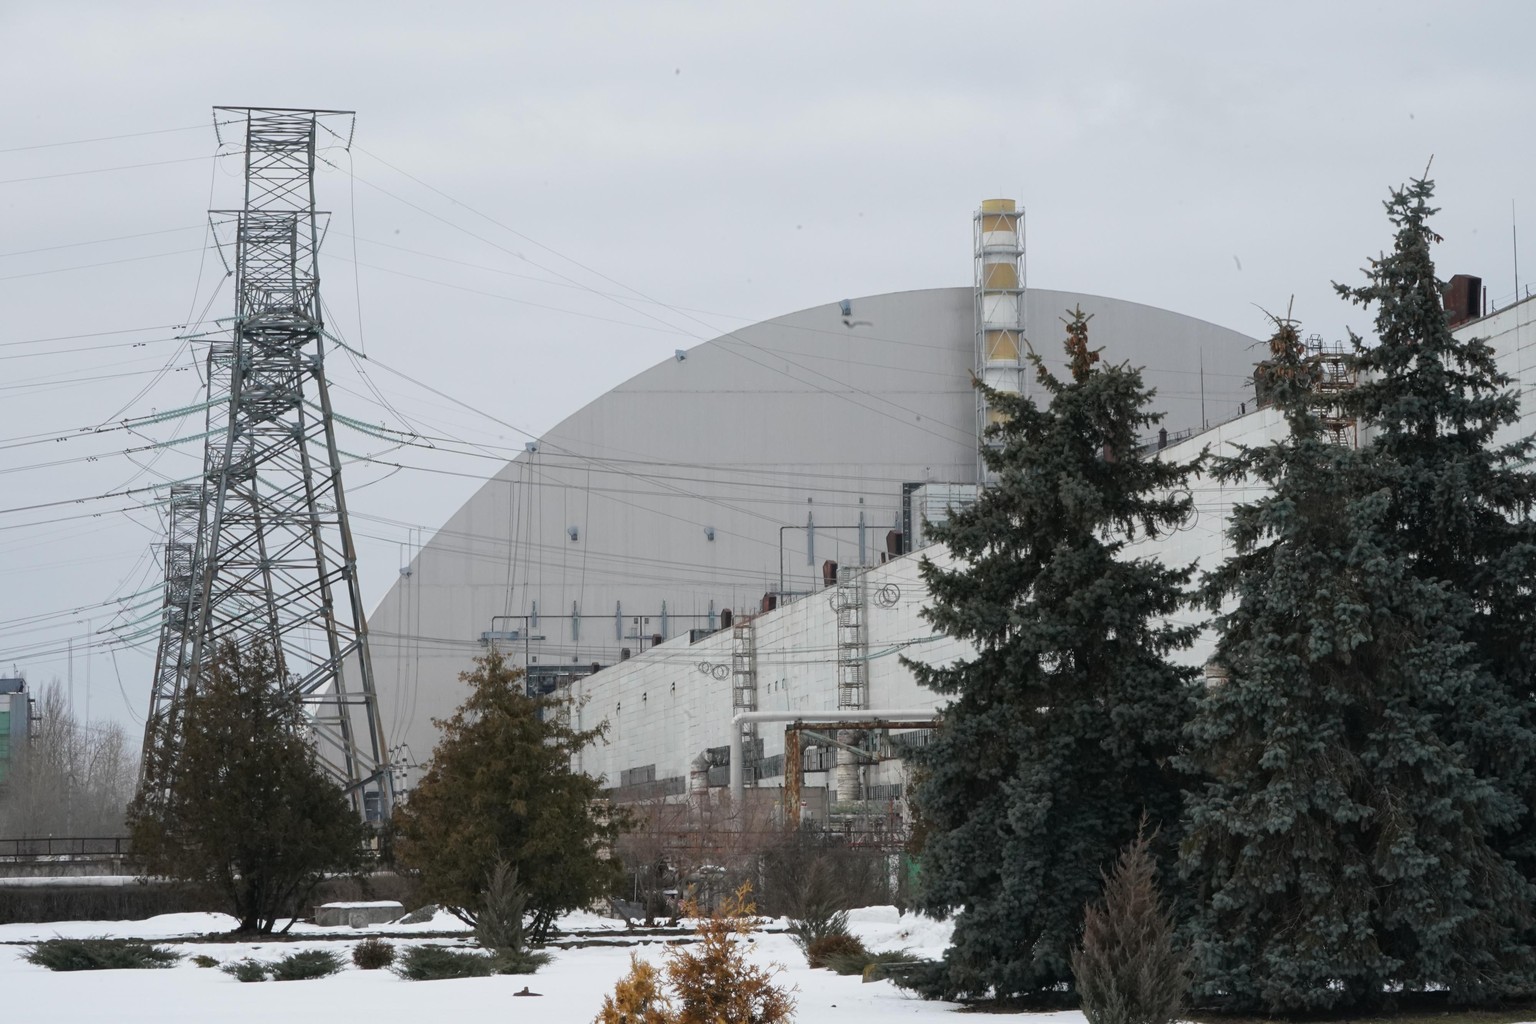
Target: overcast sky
(543,199)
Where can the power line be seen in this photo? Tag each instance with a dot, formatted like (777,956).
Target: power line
(107,170)
(967,432)
(105,138)
(102,263)
(101,334)
(87,348)
(97,241)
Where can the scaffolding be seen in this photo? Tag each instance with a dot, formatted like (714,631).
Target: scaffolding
(1334,375)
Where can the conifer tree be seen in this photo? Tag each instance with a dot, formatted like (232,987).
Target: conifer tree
(1128,969)
(246,808)
(499,793)
(1341,847)
(1061,726)
(1440,411)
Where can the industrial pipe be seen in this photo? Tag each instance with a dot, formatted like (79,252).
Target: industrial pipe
(897,716)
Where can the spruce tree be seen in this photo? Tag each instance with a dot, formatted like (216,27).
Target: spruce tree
(1340,850)
(1061,726)
(1440,410)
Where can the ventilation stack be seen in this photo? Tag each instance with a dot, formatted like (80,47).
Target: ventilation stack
(999,289)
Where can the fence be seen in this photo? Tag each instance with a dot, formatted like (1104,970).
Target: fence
(17,851)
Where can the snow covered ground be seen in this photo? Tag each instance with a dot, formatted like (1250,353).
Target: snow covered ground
(571,988)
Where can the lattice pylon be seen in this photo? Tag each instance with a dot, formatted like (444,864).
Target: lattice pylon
(273,559)
(180,563)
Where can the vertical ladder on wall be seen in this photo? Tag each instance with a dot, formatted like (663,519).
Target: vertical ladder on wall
(852,664)
(744,691)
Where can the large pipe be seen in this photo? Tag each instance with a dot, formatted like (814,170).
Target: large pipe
(847,774)
(895,716)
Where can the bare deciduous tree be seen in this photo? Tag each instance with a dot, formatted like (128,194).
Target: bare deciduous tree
(72,778)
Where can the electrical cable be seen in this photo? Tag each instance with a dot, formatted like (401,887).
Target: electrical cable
(103,263)
(107,170)
(966,431)
(98,334)
(107,138)
(96,241)
(85,348)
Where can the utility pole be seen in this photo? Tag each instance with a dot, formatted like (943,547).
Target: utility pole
(260,550)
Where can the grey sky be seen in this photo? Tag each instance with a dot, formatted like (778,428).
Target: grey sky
(546,198)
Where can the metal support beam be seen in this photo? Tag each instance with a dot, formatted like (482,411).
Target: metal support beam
(794,766)
(892,718)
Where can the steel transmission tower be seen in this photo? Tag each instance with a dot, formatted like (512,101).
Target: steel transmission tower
(261,551)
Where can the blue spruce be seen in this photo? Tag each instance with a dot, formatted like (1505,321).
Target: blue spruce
(1342,848)
(1442,414)
(1061,728)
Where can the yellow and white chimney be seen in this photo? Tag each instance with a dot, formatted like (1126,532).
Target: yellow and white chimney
(999,287)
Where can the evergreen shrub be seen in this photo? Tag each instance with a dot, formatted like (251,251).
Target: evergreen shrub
(859,961)
(248,812)
(499,924)
(638,997)
(98,955)
(436,963)
(499,787)
(891,965)
(1127,969)
(306,964)
(373,953)
(518,961)
(820,952)
(817,923)
(246,970)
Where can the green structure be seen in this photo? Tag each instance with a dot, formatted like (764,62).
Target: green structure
(15,722)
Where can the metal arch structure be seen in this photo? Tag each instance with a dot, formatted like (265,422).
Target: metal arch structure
(271,558)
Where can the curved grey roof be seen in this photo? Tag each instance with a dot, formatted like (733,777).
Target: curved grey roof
(688,489)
